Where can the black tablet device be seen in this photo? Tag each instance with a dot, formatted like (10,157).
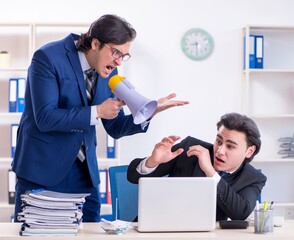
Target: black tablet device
(233,224)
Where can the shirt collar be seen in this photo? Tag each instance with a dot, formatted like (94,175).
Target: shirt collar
(84,63)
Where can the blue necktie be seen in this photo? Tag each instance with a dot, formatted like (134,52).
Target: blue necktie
(223,174)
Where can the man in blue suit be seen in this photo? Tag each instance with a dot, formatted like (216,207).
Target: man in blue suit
(57,137)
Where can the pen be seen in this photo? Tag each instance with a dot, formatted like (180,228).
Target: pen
(271,206)
(257,205)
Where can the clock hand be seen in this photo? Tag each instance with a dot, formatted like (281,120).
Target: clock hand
(196,45)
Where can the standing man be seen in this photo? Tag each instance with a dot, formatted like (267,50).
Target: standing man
(56,145)
(227,160)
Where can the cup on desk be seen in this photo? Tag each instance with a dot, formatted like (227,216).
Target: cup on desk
(264,221)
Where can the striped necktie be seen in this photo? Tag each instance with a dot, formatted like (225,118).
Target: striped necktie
(91,77)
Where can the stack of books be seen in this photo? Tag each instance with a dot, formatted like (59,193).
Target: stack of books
(51,213)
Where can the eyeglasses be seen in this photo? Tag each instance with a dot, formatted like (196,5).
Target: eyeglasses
(118,54)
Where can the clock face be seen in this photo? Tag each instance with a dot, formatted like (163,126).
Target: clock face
(197,44)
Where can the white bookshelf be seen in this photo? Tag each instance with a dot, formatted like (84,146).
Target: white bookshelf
(268,97)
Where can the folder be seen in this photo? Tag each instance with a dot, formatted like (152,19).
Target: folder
(108,190)
(13,135)
(259,51)
(110,145)
(252,53)
(21,84)
(12,95)
(103,185)
(11,186)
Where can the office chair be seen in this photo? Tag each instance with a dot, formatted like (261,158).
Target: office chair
(124,195)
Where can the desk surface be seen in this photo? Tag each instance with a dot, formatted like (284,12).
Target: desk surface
(9,231)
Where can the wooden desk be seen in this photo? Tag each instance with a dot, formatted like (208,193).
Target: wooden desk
(9,231)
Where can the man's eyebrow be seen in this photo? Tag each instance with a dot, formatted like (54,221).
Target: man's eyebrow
(229,141)
(232,142)
(219,136)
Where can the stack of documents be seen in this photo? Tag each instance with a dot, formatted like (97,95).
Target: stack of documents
(51,213)
(115,227)
(287,147)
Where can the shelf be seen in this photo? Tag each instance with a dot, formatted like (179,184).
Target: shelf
(269,70)
(273,160)
(9,118)
(13,69)
(6,205)
(269,28)
(5,160)
(273,116)
(279,205)
(283,204)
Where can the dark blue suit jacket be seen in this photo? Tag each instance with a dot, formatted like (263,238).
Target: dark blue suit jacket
(56,119)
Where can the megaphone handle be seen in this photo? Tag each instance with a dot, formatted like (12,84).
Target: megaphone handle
(117,99)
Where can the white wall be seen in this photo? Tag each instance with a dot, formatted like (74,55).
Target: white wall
(158,67)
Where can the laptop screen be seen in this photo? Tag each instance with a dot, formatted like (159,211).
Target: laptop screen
(179,204)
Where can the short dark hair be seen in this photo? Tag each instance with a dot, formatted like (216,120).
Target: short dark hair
(242,123)
(107,29)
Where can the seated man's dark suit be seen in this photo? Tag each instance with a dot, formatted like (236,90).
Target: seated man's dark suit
(236,193)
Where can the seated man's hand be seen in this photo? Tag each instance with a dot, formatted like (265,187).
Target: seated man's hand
(162,152)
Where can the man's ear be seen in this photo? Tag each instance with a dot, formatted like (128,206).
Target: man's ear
(95,44)
(250,151)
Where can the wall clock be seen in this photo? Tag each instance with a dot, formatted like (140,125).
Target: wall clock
(197,44)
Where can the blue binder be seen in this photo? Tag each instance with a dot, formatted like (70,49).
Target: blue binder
(110,147)
(11,186)
(12,102)
(103,185)
(13,138)
(252,51)
(21,84)
(259,51)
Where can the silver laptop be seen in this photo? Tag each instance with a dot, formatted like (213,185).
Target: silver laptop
(176,204)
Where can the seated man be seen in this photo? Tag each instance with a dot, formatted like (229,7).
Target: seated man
(237,142)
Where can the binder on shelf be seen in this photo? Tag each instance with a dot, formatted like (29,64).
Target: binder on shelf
(11,186)
(103,185)
(12,103)
(21,83)
(110,146)
(108,190)
(13,137)
(259,51)
(252,52)
(256,47)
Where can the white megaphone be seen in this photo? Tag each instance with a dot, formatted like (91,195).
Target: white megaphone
(141,108)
